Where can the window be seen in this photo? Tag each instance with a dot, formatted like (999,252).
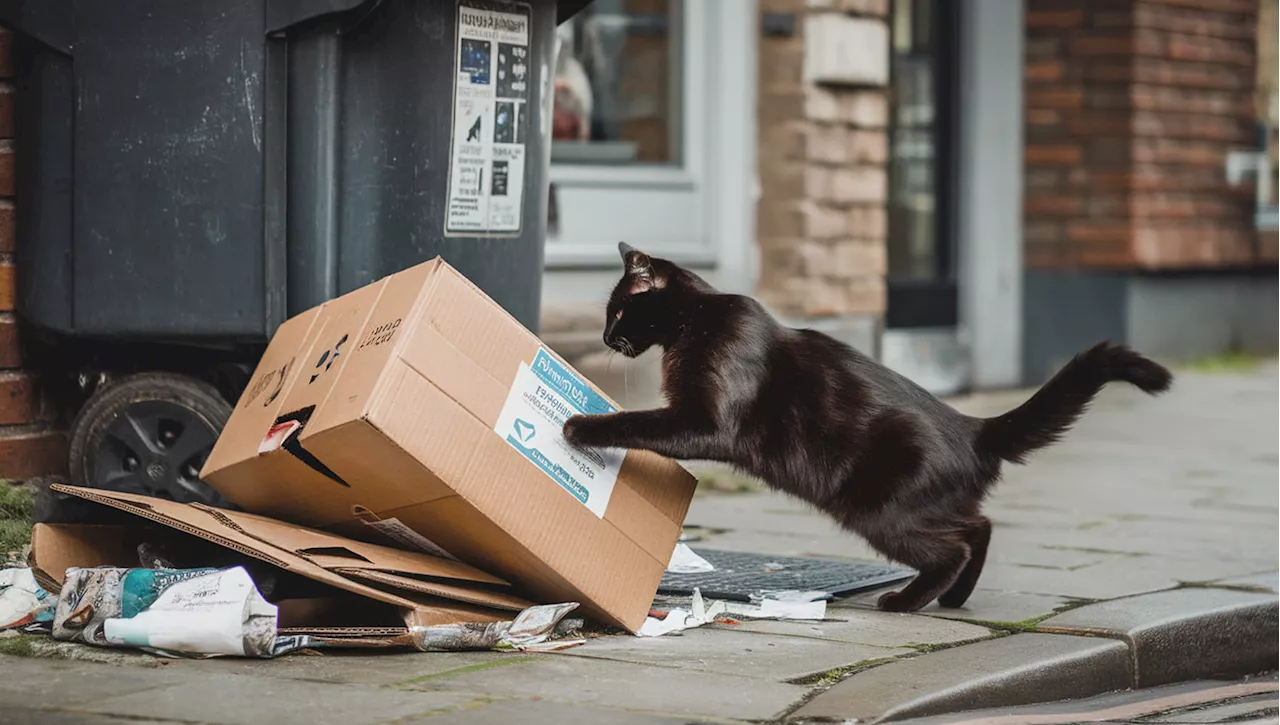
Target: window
(632,153)
(618,85)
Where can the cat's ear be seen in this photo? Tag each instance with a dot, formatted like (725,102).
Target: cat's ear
(639,268)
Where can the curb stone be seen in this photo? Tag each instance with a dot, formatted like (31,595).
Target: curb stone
(1015,670)
(1227,633)
(1141,641)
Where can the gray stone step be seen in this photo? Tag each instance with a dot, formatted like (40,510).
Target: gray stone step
(1183,634)
(1017,670)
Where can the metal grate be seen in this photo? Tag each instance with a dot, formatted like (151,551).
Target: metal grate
(740,575)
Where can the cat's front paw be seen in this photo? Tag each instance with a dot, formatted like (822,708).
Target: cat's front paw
(577,431)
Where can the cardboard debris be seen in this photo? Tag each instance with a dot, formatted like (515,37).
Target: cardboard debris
(361,594)
(416,412)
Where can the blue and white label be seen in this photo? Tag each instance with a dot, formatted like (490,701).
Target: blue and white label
(544,395)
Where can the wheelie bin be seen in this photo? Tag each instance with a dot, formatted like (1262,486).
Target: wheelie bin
(190,174)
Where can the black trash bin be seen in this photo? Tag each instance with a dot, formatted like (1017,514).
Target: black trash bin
(192,173)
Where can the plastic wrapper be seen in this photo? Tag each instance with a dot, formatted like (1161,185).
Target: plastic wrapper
(23,602)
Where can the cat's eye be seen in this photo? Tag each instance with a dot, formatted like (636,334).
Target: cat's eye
(617,315)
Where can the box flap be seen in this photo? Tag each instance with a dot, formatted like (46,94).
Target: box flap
(258,406)
(456,592)
(332,552)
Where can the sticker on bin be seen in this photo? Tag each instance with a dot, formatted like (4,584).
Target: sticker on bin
(544,395)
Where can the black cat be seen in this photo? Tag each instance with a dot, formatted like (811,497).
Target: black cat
(817,419)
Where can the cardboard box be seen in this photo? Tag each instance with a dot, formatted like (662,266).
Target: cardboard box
(417,410)
(367,594)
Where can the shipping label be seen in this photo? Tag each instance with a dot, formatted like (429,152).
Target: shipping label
(544,395)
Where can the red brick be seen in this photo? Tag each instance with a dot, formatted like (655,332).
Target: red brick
(1114,45)
(1051,205)
(8,229)
(1038,49)
(7,172)
(6,111)
(1099,123)
(30,451)
(8,292)
(1170,151)
(1201,22)
(1064,19)
(10,344)
(1043,117)
(1268,246)
(22,401)
(1096,233)
(1051,70)
(1225,6)
(8,56)
(1042,178)
(1052,154)
(1055,98)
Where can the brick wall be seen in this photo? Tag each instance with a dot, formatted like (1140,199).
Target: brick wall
(29,444)
(1131,109)
(822,154)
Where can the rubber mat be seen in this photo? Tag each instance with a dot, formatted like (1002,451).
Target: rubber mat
(741,575)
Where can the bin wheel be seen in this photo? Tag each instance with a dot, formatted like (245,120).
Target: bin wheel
(149,434)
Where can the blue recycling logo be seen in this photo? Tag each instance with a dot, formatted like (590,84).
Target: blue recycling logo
(524,430)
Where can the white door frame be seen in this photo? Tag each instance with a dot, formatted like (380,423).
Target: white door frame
(701,214)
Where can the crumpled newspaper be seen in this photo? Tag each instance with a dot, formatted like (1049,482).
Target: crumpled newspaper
(171,612)
(23,602)
(530,631)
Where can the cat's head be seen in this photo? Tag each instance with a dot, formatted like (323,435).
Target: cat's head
(644,309)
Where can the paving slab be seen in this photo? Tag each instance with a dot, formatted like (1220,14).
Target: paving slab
(31,716)
(371,668)
(544,712)
(879,629)
(1184,634)
(243,700)
(1016,670)
(30,681)
(665,690)
(765,656)
(1267,581)
(989,605)
(1118,576)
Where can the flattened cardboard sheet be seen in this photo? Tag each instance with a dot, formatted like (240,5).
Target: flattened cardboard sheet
(429,589)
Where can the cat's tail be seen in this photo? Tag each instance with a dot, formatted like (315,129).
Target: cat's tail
(1049,413)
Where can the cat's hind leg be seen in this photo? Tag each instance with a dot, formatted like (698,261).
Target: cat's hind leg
(939,556)
(978,538)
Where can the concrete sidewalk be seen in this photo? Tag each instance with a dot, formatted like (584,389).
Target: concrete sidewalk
(1176,495)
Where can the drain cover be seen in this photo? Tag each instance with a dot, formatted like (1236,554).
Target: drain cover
(739,575)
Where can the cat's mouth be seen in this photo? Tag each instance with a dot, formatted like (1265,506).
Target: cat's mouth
(624,346)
